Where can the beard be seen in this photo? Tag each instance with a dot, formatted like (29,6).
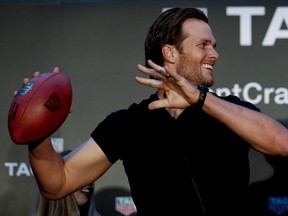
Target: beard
(193,72)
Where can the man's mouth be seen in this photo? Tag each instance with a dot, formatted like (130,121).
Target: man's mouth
(208,66)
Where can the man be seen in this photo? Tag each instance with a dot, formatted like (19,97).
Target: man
(184,150)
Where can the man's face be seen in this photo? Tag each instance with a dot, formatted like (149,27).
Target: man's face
(198,55)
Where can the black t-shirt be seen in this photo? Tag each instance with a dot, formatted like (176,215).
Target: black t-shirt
(178,166)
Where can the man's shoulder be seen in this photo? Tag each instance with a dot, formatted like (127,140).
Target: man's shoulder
(143,104)
(134,107)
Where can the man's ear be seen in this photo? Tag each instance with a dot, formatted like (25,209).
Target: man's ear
(169,53)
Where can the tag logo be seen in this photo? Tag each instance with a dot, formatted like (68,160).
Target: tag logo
(278,205)
(125,205)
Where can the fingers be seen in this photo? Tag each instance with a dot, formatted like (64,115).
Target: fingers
(172,73)
(158,104)
(25,81)
(56,70)
(36,74)
(149,82)
(158,68)
(151,72)
(165,71)
(156,71)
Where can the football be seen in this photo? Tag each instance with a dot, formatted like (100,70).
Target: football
(40,107)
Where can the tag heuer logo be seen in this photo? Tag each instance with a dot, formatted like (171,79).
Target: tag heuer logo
(125,205)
